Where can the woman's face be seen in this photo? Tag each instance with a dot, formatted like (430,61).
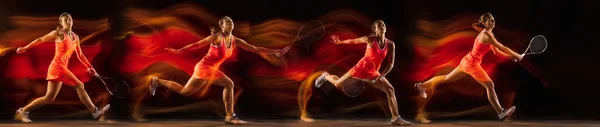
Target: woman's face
(227,25)
(379,29)
(490,23)
(66,21)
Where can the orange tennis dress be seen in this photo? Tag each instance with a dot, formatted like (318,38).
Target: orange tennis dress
(208,67)
(471,63)
(58,69)
(367,68)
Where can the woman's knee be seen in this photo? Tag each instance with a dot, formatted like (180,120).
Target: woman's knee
(448,78)
(488,85)
(185,92)
(227,84)
(389,90)
(50,99)
(79,86)
(385,86)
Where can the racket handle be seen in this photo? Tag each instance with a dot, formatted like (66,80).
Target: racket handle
(278,54)
(283,51)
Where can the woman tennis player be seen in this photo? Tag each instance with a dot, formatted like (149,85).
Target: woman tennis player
(66,43)
(206,72)
(470,64)
(378,48)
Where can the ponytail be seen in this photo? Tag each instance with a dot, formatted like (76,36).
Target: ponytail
(59,31)
(478,26)
(215,30)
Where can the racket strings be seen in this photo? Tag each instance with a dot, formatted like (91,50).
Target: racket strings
(309,32)
(538,44)
(353,87)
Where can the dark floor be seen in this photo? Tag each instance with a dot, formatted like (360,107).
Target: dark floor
(272,123)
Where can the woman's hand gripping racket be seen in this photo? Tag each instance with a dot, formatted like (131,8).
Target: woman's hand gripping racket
(537,45)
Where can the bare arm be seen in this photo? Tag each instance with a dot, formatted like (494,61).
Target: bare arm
(82,57)
(497,52)
(255,49)
(490,38)
(336,40)
(206,41)
(38,41)
(391,58)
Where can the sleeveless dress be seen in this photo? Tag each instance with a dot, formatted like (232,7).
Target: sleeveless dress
(58,69)
(367,68)
(471,63)
(208,67)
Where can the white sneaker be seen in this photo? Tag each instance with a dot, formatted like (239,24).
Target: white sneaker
(99,112)
(234,120)
(22,116)
(321,79)
(399,122)
(506,112)
(153,85)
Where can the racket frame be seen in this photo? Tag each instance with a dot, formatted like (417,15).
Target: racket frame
(298,32)
(531,41)
(102,78)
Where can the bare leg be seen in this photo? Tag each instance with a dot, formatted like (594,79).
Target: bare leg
(431,84)
(481,76)
(450,77)
(85,98)
(193,85)
(491,95)
(227,85)
(337,81)
(228,99)
(389,91)
(51,92)
(23,113)
(304,95)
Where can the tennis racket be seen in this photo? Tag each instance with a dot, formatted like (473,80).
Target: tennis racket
(309,33)
(537,45)
(115,86)
(353,87)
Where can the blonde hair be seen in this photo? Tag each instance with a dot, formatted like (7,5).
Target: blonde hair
(215,30)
